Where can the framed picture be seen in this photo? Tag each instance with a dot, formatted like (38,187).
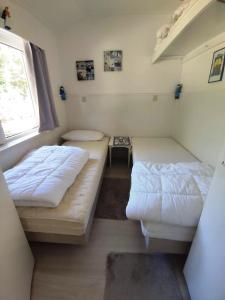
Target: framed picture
(113,60)
(85,70)
(217,68)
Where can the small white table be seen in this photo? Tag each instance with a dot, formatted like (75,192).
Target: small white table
(111,146)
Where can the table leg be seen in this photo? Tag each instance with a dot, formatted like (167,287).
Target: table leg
(110,156)
(129,155)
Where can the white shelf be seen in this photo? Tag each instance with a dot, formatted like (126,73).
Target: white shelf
(202,21)
(217,41)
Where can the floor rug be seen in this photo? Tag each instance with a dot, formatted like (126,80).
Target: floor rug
(145,277)
(113,198)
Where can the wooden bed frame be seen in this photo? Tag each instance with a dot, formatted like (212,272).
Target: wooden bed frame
(68,239)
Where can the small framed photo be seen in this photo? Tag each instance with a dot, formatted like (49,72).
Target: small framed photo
(113,60)
(85,70)
(217,67)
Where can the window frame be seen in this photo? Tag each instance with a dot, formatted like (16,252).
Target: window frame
(12,40)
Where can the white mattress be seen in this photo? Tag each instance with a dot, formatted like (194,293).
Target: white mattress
(43,177)
(162,150)
(72,215)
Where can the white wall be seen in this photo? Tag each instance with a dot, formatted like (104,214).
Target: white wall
(119,102)
(16,260)
(205,266)
(122,102)
(199,116)
(123,114)
(28,27)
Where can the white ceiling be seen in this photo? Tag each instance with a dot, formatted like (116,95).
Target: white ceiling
(58,14)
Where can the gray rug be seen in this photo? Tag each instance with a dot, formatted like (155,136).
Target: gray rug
(113,199)
(145,277)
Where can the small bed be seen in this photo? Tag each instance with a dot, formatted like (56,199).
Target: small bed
(161,151)
(71,220)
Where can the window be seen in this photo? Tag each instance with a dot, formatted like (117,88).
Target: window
(18,110)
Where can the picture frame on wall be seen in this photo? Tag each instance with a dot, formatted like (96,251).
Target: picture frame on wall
(113,60)
(217,67)
(85,70)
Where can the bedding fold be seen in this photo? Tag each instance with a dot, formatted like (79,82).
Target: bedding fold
(43,176)
(169,193)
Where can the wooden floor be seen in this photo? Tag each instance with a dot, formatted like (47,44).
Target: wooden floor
(78,272)
(66,272)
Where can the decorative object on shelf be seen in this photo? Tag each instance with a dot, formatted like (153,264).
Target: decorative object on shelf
(5,16)
(62,93)
(85,70)
(2,135)
(121,141)
(178,91)
(217,67)
(161,34)
(113,60)
(164,30)
(180,10)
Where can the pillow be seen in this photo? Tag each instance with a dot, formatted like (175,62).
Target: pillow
(180,10)
(83,135)
(163,32)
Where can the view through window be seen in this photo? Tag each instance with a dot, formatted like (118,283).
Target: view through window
(18,111)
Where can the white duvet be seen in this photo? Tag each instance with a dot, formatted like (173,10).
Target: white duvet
(43,177)
(169,193)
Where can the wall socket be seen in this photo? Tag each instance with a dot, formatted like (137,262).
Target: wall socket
(155,98)
(83,99)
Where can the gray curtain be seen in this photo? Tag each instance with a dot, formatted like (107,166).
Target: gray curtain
(47,112)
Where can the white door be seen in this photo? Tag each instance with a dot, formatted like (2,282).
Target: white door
(205,267)
(16,259)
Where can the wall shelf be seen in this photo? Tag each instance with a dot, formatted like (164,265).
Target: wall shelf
(202,21)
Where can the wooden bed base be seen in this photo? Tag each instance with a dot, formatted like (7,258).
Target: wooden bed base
(68,239)
(168,246)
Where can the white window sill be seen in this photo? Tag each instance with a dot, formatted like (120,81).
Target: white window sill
(13,142)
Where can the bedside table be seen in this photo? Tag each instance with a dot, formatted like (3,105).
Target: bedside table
(112,145)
